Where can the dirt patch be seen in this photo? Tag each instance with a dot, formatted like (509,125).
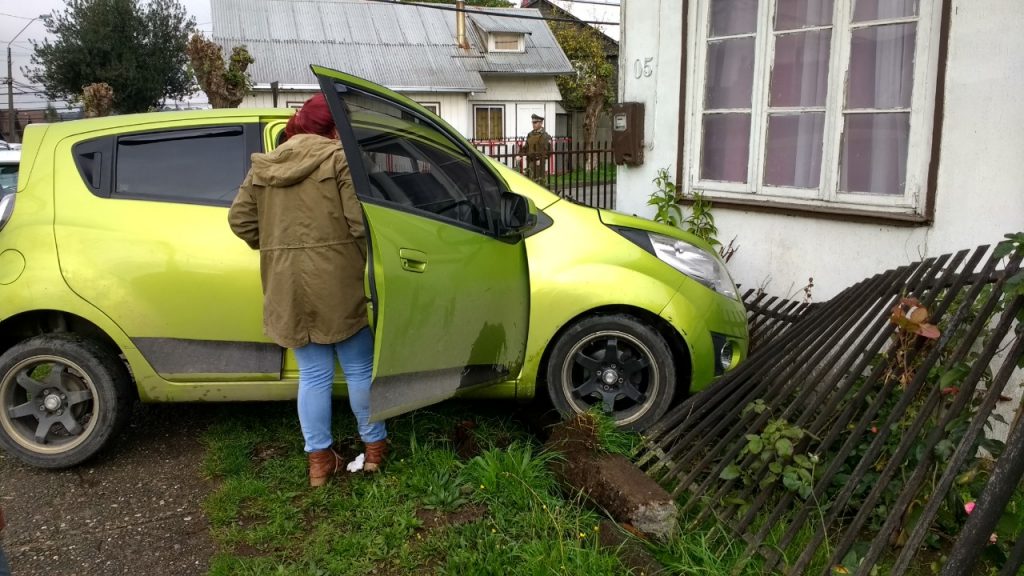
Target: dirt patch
(431,519)
(136,509)
(610,481)
(269,451)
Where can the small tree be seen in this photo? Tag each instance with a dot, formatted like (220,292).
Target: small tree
(226,85)
(138,50)
(51,114)
(97,99)
(591,88)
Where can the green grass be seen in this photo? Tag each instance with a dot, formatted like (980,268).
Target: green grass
(431,511)
(581,176)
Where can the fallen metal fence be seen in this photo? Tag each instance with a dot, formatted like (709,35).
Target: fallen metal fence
(853,439)
(770,316)
(583,174)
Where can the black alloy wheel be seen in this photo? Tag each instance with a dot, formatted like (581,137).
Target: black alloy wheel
(615,363)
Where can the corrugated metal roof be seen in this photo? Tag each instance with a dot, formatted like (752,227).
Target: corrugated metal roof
(489,23)
(401,46)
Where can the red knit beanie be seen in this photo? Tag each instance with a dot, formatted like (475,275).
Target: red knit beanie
(313,118)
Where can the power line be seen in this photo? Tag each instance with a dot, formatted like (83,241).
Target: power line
(16,16)
(473,10)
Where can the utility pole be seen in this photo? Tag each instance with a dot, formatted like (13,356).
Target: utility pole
(12,128)
(11,133)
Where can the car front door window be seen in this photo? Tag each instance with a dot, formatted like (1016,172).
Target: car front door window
(411,163)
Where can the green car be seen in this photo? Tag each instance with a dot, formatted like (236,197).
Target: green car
(120,279)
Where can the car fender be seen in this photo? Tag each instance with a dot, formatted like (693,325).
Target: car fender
(581,265)
(31,281)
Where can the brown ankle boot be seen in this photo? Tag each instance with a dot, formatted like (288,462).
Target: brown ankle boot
(323,464)
(376,452)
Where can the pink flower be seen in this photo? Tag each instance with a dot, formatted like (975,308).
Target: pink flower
(969,507)
(993,538)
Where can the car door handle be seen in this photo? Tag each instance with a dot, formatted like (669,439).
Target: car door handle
(413,260)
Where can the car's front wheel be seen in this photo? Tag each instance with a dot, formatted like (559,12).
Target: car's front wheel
(62,398)
(615,363)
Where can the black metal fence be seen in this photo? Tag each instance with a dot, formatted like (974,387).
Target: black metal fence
(769,316)
(853,440)
(582,174)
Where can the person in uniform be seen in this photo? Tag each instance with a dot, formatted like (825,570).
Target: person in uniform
(537,148)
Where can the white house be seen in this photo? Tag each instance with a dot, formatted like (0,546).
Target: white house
(486,83)
(835,138)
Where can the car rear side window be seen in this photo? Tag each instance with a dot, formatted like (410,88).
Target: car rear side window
(198,166)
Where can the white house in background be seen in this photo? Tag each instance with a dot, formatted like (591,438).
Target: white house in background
(836,138)
(487,88)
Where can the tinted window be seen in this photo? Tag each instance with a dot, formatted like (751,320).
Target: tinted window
(8,178)
(412,163)
(202,166)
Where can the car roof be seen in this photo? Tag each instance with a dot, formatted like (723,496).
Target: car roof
(10,156)
(83,125)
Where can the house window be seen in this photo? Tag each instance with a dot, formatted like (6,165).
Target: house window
(434,107)
(819,102)
(506,42)
(489,122)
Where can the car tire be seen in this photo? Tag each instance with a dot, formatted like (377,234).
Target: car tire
(62,398)
(614,362)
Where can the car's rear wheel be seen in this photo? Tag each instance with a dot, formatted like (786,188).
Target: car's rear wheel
(62,398)
(615,363)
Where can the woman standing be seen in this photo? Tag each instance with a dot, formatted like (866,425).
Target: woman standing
(298,207)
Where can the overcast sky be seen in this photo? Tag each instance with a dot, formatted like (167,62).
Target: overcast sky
(15,14)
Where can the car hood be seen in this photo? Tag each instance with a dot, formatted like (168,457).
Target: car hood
(542,198)
(613,218)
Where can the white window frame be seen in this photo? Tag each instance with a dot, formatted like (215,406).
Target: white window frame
(434,107)
(504,129)
(828,194)
(519,37)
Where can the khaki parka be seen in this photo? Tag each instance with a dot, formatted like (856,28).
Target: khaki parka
(298,207)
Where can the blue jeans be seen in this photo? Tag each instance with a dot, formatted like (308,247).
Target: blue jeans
(316,375)
(5,570)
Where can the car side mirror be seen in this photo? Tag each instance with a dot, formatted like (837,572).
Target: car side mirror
(518,214)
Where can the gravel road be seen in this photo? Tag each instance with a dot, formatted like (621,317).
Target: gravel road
(136,509)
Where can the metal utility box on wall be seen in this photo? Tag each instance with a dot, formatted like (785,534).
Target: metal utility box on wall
(628,133)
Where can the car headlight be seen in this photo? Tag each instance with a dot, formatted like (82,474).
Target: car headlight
(694,262)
